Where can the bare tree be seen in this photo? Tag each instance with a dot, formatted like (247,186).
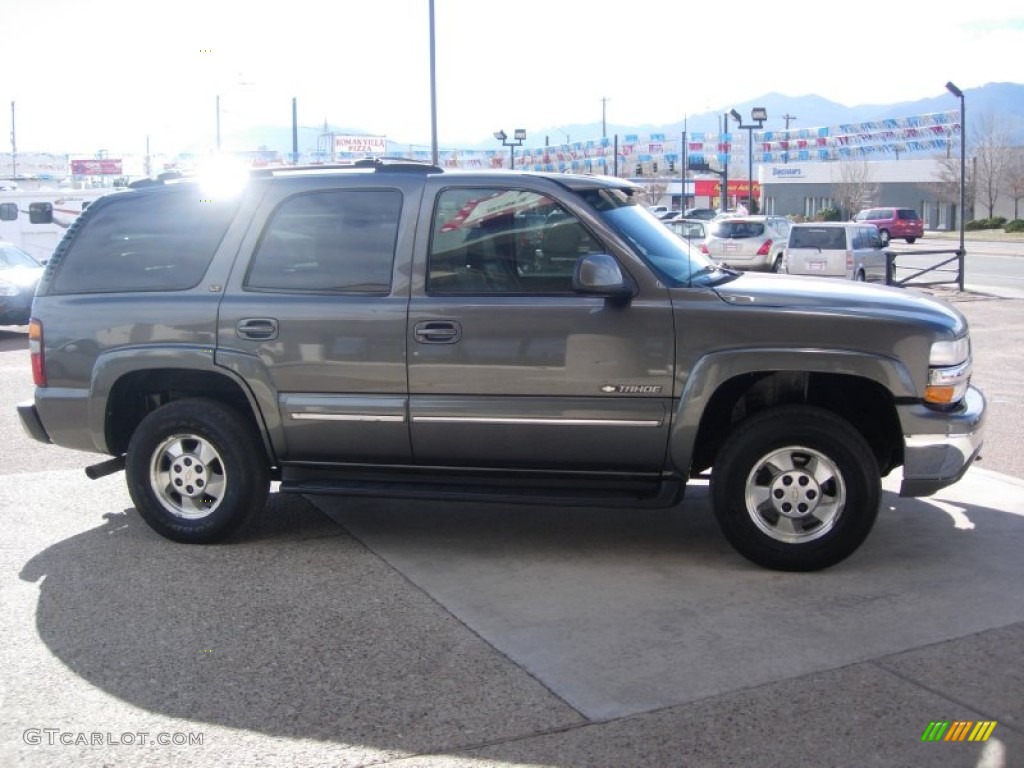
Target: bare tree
(855,188)
(990,145)
(654,191)
(947,182)
(1015,179)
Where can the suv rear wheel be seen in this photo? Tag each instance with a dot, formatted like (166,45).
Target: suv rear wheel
(795,488)
(883,236)
(196,471)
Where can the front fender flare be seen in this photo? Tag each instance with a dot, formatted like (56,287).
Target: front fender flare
(698,385)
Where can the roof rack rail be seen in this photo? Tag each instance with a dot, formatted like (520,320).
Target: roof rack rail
(161,178)
(392,162)
(384,163)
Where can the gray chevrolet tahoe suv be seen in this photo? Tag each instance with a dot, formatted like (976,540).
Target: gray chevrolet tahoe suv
(393,329)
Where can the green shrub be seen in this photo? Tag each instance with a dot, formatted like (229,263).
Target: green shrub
(1017,225)
(996,222)
(827,214)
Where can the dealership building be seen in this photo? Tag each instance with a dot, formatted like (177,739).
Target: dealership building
(804,189)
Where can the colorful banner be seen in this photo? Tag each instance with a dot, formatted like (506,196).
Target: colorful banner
(937,132)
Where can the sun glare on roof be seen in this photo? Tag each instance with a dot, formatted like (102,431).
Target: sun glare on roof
(222,177)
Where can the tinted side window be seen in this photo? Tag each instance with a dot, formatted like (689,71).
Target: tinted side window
(504,241)
(907,213)
(338,241)
(157,240)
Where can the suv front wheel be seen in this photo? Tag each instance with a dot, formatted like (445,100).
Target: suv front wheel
(795,488)
(196,471)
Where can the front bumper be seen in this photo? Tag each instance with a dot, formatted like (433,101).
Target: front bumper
(934,459)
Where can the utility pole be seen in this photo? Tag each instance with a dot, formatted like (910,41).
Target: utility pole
(787,117)
(14,145)
(604,124)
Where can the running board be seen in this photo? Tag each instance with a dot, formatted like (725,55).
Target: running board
(643,494)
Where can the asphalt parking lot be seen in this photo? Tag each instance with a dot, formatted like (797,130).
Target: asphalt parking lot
(345,633)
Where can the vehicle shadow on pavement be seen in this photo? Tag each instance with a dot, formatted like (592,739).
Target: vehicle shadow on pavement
(377,641)
(295,631)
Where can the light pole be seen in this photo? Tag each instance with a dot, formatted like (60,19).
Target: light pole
(520,135)
(433,92)
(725,166)
(758,115)
(963,169)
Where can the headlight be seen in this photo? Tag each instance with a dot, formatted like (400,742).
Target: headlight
(949,371)
(950,352)
(8,289)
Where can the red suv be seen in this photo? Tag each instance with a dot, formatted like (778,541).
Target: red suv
(893,223)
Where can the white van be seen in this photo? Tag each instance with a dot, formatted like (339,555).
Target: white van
(835,249)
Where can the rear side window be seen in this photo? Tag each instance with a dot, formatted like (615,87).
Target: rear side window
(826,238)
(336,241)
(907,213)
(155,240)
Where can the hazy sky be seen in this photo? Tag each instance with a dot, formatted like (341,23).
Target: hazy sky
(105,74)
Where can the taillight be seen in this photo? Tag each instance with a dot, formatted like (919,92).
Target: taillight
(765,249)
(35,349)
(849,261)
(704,249)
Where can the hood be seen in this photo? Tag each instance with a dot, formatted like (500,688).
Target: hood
(23,277)
(841,297)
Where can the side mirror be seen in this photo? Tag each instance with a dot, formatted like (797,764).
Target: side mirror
(599,273)
(40,213)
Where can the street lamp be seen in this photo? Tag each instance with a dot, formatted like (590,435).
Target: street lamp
(963,166)
(520,136)
(758,115)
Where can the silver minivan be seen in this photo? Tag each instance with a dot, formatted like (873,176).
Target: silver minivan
(835,249)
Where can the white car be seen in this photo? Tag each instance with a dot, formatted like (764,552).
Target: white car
(747,242)
(836,249)
(693,231)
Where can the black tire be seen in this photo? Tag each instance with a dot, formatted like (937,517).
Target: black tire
(196,471)
(911,240)
(809,460)
(883,236)
(777,264)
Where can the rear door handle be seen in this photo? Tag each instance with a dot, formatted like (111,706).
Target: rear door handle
(257,328)
(438,332)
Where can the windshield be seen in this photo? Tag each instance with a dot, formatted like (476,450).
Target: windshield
(675,262)
(11,256)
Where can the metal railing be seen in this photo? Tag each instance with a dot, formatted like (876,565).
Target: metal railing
(941,268)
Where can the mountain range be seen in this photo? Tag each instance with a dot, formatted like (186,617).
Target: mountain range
(1005,100)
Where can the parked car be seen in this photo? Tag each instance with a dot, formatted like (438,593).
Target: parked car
(835,249)
(19,276)
(693,231)
(748,242)
(666,215)
(397,329)
(700,213)
(893,223)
